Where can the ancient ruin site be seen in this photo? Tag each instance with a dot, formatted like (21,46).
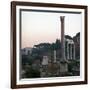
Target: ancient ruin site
(58,59)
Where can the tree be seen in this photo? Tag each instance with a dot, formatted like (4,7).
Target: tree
(31,73)
(58,44)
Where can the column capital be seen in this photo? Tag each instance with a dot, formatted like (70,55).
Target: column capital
(62,18)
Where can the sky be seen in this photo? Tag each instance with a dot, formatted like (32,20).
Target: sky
(41,27)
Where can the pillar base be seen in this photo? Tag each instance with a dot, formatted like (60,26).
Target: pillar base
(63,67)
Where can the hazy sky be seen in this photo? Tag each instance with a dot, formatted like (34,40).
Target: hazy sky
(40,27)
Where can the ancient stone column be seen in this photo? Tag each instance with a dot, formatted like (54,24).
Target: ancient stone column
(54,55)
(74,52)
(67,51)
(62,37)
(63,63)
(71,51)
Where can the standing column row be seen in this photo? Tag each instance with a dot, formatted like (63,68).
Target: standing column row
(70,51)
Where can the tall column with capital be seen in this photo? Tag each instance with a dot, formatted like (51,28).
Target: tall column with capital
(63,63)
(62,37)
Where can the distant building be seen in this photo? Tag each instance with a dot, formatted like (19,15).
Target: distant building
(26,51)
